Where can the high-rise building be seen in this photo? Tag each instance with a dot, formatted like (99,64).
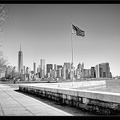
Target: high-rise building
(27,70)
(104,70)
(42,68)
(28,73)
(64,71)
(72,72)
(52,74)
(24,71)
(79,66)
(42,63)
(49,67)
(97,71)
(39,67)
(34,68)
(110,75)
(82,65)
(79,70)
(86,73)
(59,75)
(78,73)
(37,74)
(93,75)
(59,66)
(20,61)
(59,71)
(38,71)
(68,66)
(55,70)
(55,67)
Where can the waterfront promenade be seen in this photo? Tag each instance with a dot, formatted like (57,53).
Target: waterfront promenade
(14,103)
(83,95)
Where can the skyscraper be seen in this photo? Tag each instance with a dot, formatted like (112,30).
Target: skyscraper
(20,61)
(42,63)
(93,75)
(97,69)
(55,67)
(24,70)
(34,68)
(79,66)
(49,67)
(55,70)
(59,66)
(27,70)
(104,70)
(42,68)
(64,72)
(86,73)
(82,65)
(68,66)
(59,71)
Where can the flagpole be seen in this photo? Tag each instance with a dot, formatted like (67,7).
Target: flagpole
(77,32)
(72,53)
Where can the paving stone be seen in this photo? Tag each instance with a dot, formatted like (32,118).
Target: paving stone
(11,105)
(15,111)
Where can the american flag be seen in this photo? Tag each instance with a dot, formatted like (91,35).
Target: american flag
(77,31)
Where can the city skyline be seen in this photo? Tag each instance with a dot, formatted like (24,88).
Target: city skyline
(45,33)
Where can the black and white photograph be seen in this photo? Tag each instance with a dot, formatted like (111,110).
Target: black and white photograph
(59,59)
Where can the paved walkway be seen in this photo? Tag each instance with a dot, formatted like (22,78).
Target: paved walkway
(13,103)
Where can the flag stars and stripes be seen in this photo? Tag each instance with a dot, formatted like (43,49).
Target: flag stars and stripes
(77,31)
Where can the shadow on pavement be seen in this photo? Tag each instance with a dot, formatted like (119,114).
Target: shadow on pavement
(72,110)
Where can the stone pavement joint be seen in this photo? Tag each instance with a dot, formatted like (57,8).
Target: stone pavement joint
(1,110)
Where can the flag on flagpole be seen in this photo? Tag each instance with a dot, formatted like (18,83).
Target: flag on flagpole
(77,31)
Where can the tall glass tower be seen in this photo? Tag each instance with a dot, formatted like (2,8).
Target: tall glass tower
(42,67)
(20,61)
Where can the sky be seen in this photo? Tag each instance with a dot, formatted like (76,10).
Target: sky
(44,32)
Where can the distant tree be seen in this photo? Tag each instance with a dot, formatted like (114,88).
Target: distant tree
(15,74)
(3,17)
(3,62)
(11,72)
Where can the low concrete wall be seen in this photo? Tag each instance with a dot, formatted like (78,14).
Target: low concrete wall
(82,84)
(97,102)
